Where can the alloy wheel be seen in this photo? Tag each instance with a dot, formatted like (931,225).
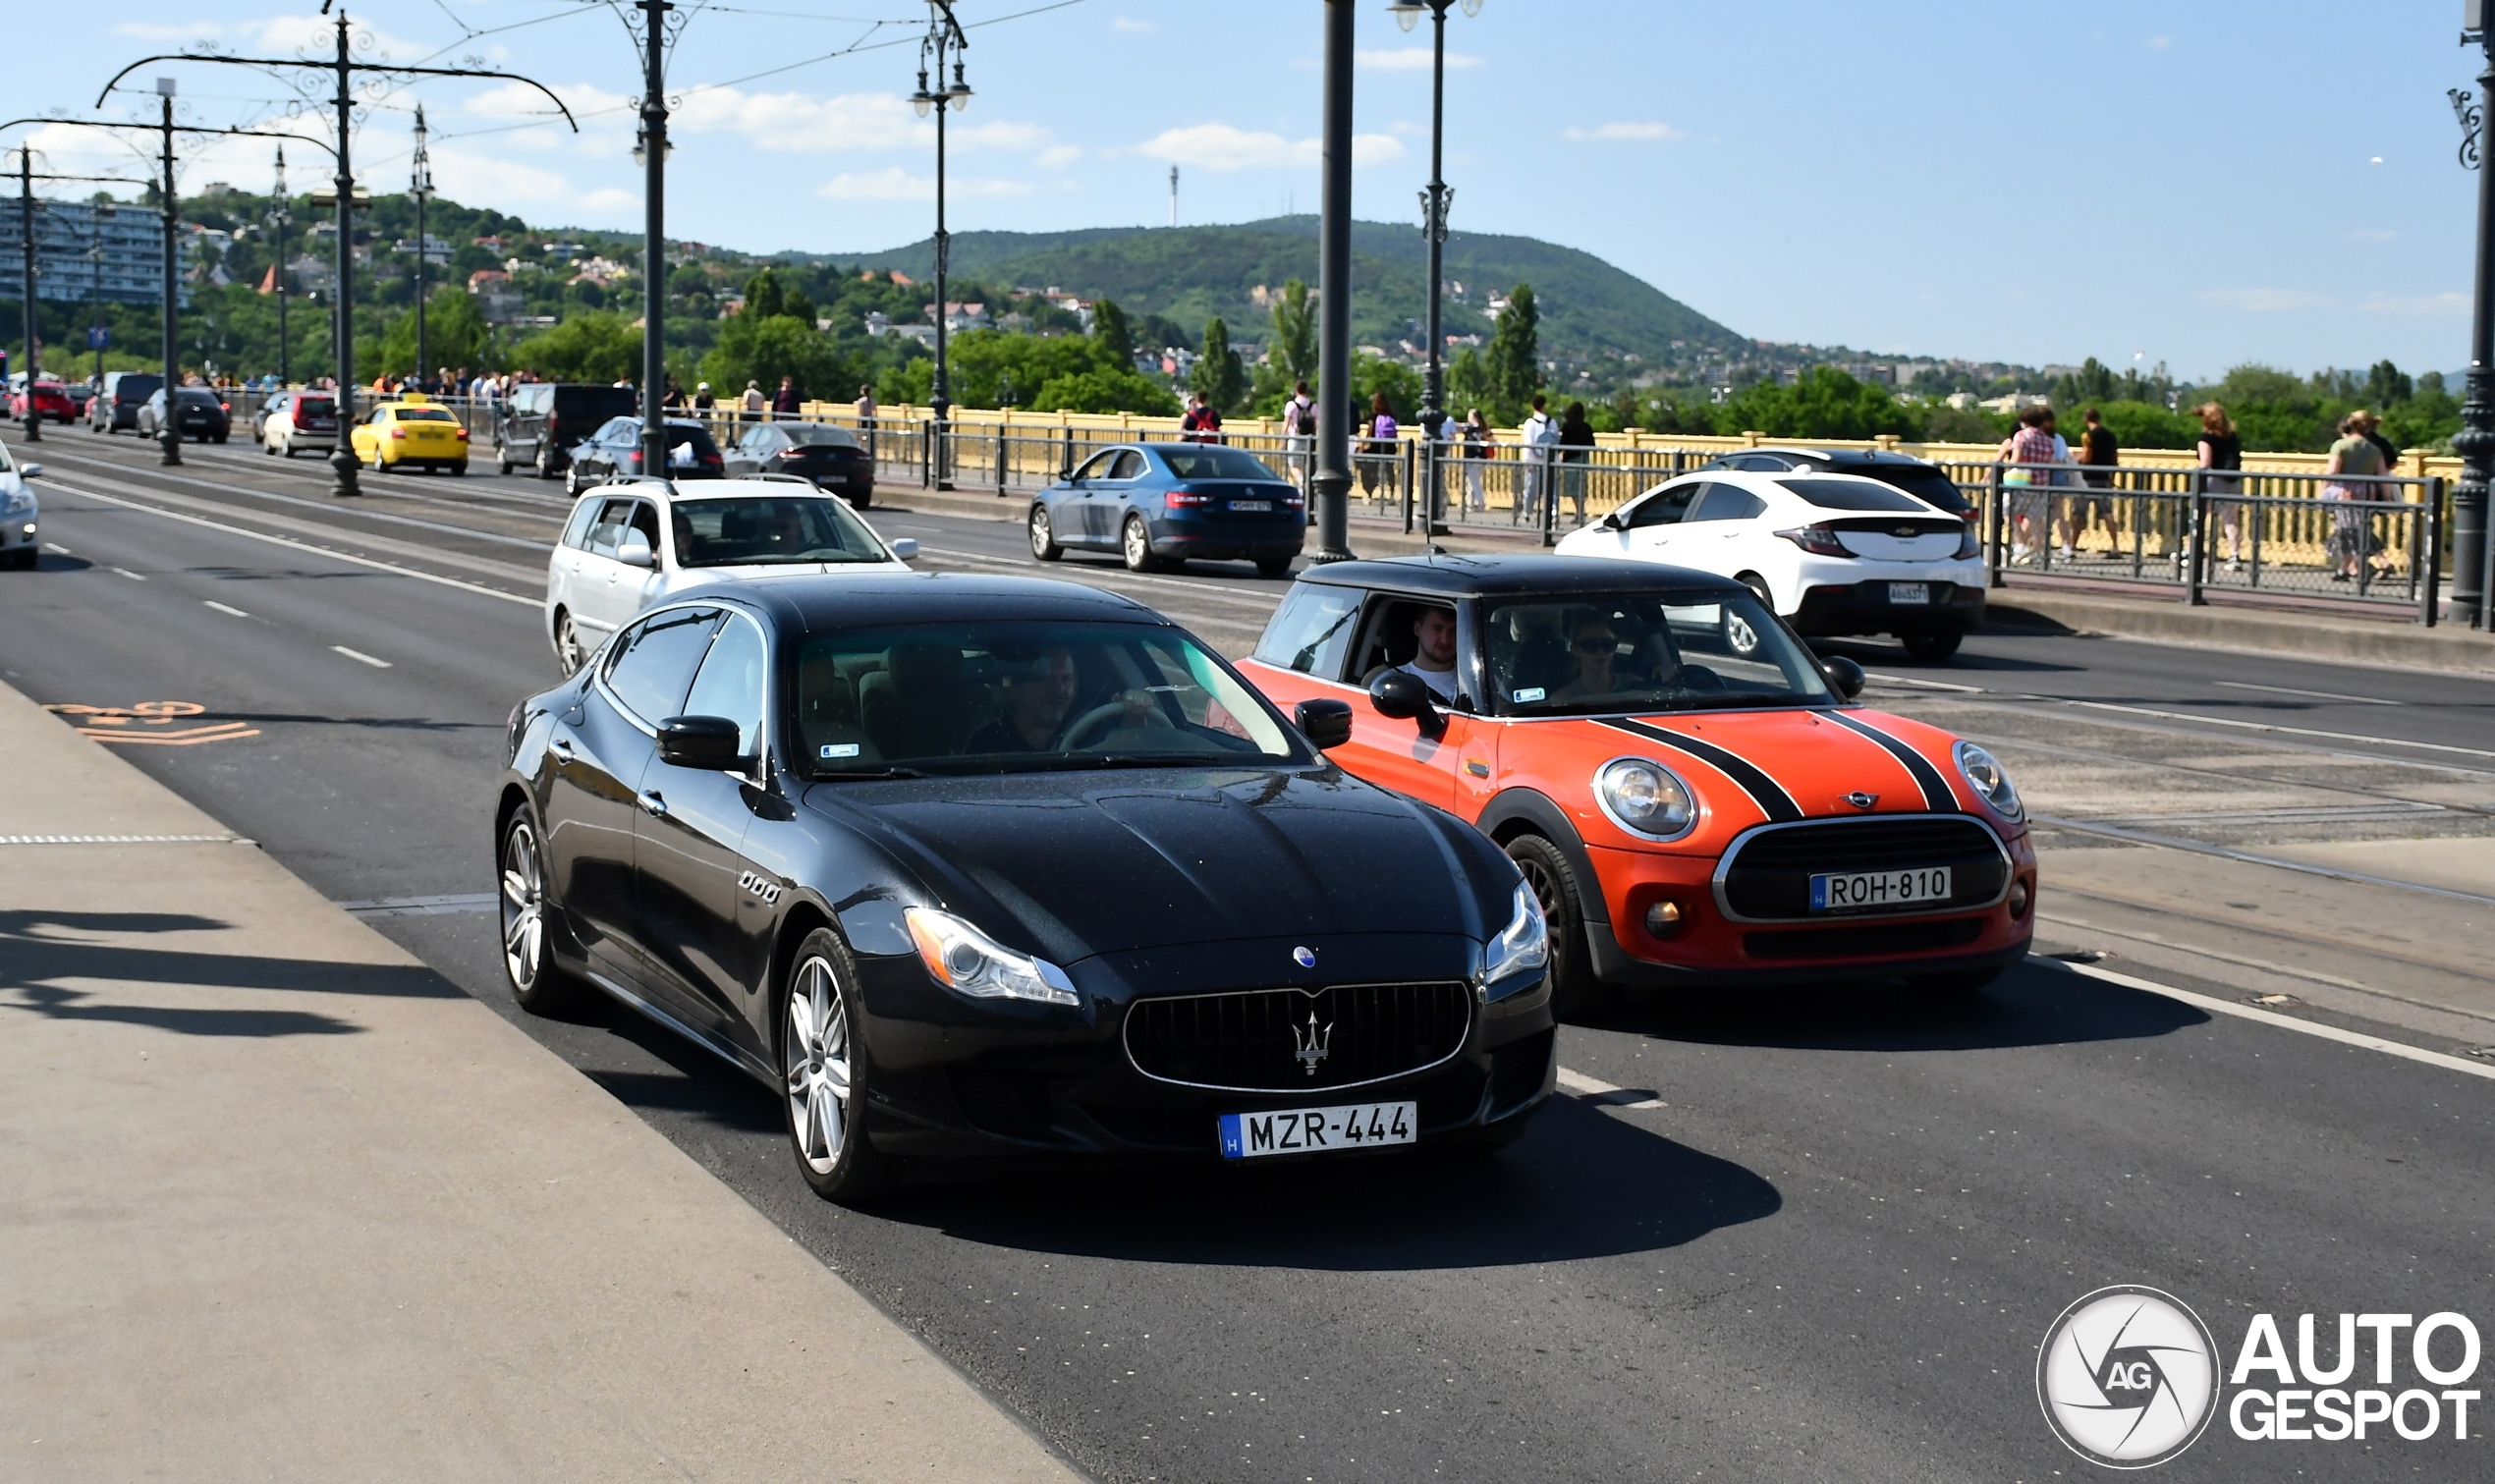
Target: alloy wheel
(1043,533)
(567,644)
(816,1056)
(524,908)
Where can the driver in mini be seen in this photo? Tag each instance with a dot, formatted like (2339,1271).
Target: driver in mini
(1037,695)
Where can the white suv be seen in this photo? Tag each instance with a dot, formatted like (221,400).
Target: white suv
(633,542)
(1833,554)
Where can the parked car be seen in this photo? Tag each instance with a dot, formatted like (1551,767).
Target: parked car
(21,514)
(199,412)
(638,541)
(1926,481)
(294,420)
(831,457)
(1158,504)
(970,868)
(616,449)
(543,420)
(1833,554)
(411,432)
(116,405)
(49,399)
(1698,803)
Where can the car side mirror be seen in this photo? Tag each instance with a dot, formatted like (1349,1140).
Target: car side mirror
(1844,674)
(29,470)
(708,742)
(1611,521)
(1405,697)
(904,547)
(633,550)
(1324,722)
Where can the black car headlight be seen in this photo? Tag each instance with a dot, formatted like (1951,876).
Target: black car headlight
(1984,774)
(973,965)
(1520,952)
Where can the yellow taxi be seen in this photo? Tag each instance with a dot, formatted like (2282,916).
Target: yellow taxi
(412,431)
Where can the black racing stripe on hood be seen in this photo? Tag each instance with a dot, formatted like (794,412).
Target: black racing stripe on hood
(1937,797)
(1766,791)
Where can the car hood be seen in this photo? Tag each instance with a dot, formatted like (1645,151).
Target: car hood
(1088,863)
(1795,763)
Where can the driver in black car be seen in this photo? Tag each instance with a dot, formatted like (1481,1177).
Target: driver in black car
(1038,691)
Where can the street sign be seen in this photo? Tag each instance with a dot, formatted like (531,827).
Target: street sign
(98,337)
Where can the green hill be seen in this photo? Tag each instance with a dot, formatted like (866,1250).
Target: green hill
(1590,310)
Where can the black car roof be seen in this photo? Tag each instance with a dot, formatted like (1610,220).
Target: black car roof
(813,602)
(1840,456)
(1515,576)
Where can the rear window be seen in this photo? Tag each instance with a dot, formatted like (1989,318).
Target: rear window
(678,437)
(314,407)
(1928,484)
(819,435)
(197,393)
(1848,494)
(424,414)
(1213,461)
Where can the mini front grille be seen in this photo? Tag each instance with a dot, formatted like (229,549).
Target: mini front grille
(1865,940)
(1766,876)
(1286,1040)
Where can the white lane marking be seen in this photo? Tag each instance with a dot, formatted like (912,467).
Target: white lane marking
(1908,680)
(56,548)
(125,571)
(223,608)
(358,654)
(258,535)
(2217,1005)
(1595,1087)
(367,514)
(2327,695)
(2229,721)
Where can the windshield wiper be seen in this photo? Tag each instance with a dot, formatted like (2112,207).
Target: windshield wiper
(890,772)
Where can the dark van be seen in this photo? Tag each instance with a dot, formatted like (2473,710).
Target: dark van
(543,420)
(117,405)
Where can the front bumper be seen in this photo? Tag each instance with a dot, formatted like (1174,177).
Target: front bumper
(956,1081)
(1863,607)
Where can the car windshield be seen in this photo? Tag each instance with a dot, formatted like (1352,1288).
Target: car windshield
(758,530)
(1024,698)
(1584,655)
(1214,462)
(1850,494)
(818,436)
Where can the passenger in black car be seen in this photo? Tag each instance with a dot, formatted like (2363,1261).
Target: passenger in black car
(1038,691)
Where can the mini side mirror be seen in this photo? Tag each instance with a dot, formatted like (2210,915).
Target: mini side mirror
(903,547)
(708,742)
(1403,696)
(1842,674)
(633,550)
(1324,722)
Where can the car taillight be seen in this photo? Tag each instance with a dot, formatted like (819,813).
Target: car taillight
(1182,499)
(462,434)
(635,458)
(1967,546)
(1295,502)
(225,406)
(398,432)
(1820,540)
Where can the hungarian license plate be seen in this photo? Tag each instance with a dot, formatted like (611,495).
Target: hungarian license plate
(1315,1130)
(1259,505)
(1909,592)
(1860,889)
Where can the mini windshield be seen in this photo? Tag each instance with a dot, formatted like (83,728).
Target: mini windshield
(1214,462)
(1024,698)
(758,530)
(1643,652)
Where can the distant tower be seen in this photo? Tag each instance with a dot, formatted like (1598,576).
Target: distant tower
(1173,195)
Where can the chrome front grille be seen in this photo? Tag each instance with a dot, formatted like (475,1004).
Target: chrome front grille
(1765,876)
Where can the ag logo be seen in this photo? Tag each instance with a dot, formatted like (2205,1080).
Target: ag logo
(2128,1377)
(760,885)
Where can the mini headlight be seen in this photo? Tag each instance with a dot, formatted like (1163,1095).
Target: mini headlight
(972,964)
(1643,796)
(1521,950)
(1984,774)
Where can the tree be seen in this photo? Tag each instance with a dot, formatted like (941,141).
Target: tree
(1825,403)
(1115,336)
(2387,385)
(762,349)
(1219,373)
(1516,354)
(1295,335)
(1103,390)
(596,347)
(454,335)
(1468,386)
(1372,374)
(763,295)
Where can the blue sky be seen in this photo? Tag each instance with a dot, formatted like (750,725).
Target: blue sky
(2197,184)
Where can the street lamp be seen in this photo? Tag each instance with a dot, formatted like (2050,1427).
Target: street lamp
(944,33)
(420,185)
(1434,202)
(2476,441)
(1330,484)
(280,217)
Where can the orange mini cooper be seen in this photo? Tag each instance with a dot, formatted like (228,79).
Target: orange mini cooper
(1696,800)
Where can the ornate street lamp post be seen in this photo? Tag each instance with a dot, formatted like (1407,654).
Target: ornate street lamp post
(944,33)
(1434,202)
(280,218)
(2476,441)
(419,185)
(1330,486)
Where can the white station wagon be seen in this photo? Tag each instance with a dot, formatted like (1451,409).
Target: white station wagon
(634,542)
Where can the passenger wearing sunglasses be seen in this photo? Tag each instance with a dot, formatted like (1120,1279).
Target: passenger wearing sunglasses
(1594,645)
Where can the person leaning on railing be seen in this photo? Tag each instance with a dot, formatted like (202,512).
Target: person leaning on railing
(2030,453)
(2098,453)
(2221,452)
(1478,449)
(2351,528)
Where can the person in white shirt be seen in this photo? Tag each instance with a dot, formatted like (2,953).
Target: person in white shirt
(1540,437)
(1436,661)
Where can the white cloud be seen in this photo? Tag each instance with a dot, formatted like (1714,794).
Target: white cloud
(1128,23)
(610,199)
(1410,59)
(2265,300)
(894,184)
(2160,43)
(197,30)
(464,175)
(1058,157)
(1221,147)
(1648,129)
(803,124)
(2416,306)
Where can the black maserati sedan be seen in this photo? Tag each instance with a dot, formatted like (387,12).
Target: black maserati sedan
(972,866)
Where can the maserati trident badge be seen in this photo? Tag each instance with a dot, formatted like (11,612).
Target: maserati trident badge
(1306,957)
(1315,1045)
